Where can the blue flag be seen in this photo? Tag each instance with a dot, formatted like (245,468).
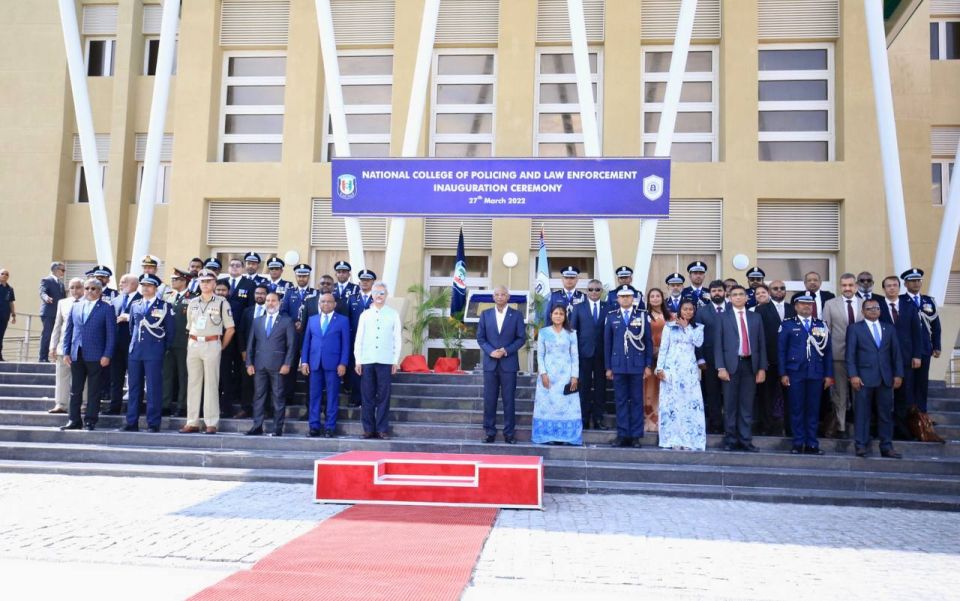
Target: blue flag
(458,295)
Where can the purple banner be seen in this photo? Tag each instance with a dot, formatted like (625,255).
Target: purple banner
(582,187)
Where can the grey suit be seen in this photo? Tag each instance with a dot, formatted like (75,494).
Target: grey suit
(738,393)
(836,318)
(267,353)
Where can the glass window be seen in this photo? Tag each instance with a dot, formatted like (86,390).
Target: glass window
(438,270)
(80,194)
(256,66)
(792,269)
(367,84)
(934,40)
(942,171)
(150,53)
(557,114)
(162,195)
(463,103)
(100,57)
(253,107)
(251,153)
(944,40)
(354,65)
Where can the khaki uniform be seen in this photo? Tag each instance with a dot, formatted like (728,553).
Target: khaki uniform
(205,319)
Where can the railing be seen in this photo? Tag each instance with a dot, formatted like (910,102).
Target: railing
(22,339)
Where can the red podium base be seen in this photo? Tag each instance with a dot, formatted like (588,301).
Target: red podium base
(448,479)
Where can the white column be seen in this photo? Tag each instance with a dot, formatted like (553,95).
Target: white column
(668,119)
(411,135)
(338,119)
(591,130)
(948,236)
(158,115)
(887,130)
(88,140)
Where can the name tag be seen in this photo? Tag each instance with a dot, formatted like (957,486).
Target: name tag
(201,322)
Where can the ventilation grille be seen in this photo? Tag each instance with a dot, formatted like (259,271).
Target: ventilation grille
(254,22)
(103,148)
(327,231)
(445,233)
(100,19)
(658,20)
(363,21)
(799,19)
(243,224)
(694,226)
(563,234)
(798,225)
(553,23)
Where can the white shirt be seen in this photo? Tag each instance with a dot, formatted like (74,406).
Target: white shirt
(854,304)
(740,332)
(500,315)
(595,308)
(780,308)
(875,329)
(379,336)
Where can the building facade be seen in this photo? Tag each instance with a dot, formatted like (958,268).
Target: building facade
(775,154)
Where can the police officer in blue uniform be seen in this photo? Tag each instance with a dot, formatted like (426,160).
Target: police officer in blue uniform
(628,359)
(806,359)
(755,277)
(674,283)
(568,296)
(358,303)
(929,336)
(251,262)
(625,278)
(151,332)
(104,273)
(343,288)
(276,283)
(696,291)
(291,304)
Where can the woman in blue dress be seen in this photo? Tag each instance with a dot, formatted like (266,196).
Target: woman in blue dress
(681,402)
(556,416)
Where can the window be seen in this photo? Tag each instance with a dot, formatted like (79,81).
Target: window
(100,56)
(366,79)
(80,189)
(438,270)
(791,267)
(251,125)
(462,96)
(558,130)
(942,171)
(163,183)
(695,132)
(796,102)
(150,52)
(944,40)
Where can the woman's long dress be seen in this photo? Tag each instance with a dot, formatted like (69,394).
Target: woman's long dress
(681,402)
(556,416)
(651,386)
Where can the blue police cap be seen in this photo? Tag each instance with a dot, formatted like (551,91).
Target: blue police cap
(342,266)
(570,271)
(251,257)
(302,269)
(912,274)
(101,271)
(675,278)
(624,271)
(275,263)
(697,267)
(213,263)
(150,279)
(804,298)
(366,274)
(625,290)
(756,272)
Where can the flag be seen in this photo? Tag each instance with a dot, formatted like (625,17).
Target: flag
(458,295)
(542,286)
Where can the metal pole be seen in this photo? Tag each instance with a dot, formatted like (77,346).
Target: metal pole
(88,140)
(411,135)
(338,118)
(887,131)
(158,115)
(668,119)
(948,236)
(591,130)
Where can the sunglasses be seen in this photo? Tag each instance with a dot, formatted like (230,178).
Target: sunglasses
(594,289)
(862,281)
(778,288)
(871,308)
(92,288)
(379,294)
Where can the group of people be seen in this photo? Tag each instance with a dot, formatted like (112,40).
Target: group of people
(720,358)
(208,341)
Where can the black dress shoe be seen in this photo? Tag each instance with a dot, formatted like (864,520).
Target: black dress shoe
(254,432)
(314,433)
(861,452)
(620,442)
(813,451)
(129,428)
(329,434)
(749,448)
(89,427)
(71,425)
(637,443)
(509,440)
(731,447)
(111,412)
(891,454)
(489,438)
(154,429)
(369,435)
(600,426)
(277,433)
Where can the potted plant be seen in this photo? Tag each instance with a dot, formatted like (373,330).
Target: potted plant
(451,329)
(418,327)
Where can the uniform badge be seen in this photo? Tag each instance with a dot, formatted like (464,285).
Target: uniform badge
(242,293)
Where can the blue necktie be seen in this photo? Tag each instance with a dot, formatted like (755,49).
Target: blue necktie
(626,318)
(876,333)
(325,323)
(269,325)
(123,306)
(806,325)
(596,313)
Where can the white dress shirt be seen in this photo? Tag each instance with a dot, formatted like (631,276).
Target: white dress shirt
(500,315)
(379,336)
(781,310)
(736,315)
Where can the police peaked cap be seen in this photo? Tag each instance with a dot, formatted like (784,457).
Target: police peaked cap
(804,298)
(342,266)
(149,260)
(100,271)
(275,263)
(756,272)
(624,272)
(675,278)
(302,269)
(214,263)
(912,274)
(697,266)
(625,290)
(251,257)
(206,274)
(366,274)
(150,279)
(570,271)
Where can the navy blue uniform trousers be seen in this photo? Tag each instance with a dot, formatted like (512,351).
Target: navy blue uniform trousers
(628,393)
(804,396)
(152,371)
(375,390)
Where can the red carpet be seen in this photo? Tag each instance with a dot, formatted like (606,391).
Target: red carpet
(369,552)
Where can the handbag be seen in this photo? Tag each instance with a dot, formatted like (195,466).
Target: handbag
(567,391)
(921,426)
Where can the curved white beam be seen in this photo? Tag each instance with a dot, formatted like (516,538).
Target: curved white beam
(949,227)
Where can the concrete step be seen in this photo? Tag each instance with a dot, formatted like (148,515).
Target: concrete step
(27,390)
(945,418)
(26,367)
(943,404)
(45,379)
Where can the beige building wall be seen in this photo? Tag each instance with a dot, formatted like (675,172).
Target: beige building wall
(38,175)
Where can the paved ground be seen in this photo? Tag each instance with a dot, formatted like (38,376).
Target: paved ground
(120,538)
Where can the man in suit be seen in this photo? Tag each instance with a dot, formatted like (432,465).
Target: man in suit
(587,321)
(709,317)
(806,364)
(501,335)
(356,305)
(696,291)
(812,283)
(64,306)
(270,354)
(778,298)
(876,370)
(244,330)
(741,359)
(51,292)
(88,344)
(175,360)
(344,288)
(566,297)
(930,333)
(628,359)
(865,286)
(839,313)
(311,306)
(251,262)
(291,306)
(239,294)
(151,331)
(118,365)
(904,316)
(323,358)
(770,392)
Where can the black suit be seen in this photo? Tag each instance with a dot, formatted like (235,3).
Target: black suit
(770,392)
(244,328)
(593,381)
(51,288)
(909,336)
(267,353)
(708,317)
(740,390)
(231,361)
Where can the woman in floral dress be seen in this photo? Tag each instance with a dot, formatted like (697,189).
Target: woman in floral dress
(556,416)
(681,402)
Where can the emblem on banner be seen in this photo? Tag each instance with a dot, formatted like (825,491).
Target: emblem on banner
(346,186)
(653,187)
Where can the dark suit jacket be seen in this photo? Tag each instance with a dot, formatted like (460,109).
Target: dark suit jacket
(245,325)
(512,337)
(908,327)
(875,366)
(771,326)
(275,350)
(240,297)
(50,287)
(97,333)
(707,317)
(589,334)
(326,350)
(727,351)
